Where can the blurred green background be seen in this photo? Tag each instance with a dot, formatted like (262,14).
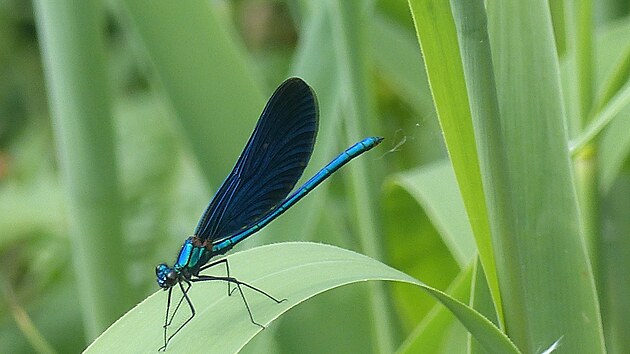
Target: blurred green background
(177,90)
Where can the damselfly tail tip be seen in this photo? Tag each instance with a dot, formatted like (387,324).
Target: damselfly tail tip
(375,140)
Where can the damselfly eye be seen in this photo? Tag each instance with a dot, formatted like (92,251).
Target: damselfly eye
(159,269)
(166,276)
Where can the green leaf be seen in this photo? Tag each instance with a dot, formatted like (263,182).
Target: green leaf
(427,234)
(542,260)
(438,39)
(295,271)
(435,189)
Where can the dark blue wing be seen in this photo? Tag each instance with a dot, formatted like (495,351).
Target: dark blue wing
(271,164)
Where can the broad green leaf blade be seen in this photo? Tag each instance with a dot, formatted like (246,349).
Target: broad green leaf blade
(438,39)
(471,21)
(296,271)
(543,267)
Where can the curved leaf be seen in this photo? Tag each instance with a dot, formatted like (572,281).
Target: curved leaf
(296,271)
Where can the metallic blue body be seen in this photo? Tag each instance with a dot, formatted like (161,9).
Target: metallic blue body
(192,257)
(343,158)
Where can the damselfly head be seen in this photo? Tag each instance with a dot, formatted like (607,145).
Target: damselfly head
(166,276)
